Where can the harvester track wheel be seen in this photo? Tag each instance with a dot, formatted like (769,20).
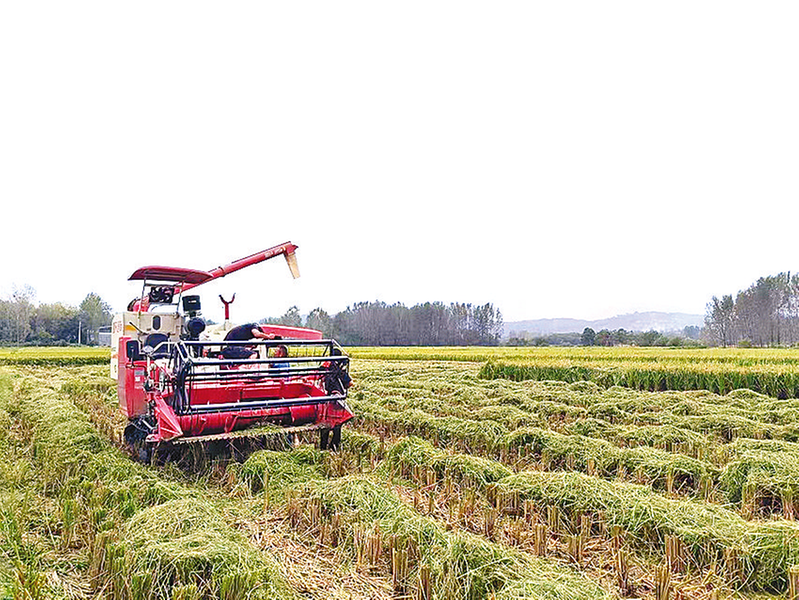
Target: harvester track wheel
(330,442)
(135,439)
(144,453)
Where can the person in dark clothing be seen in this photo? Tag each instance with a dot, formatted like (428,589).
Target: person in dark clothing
(248,331)
(338,379)
(244,333)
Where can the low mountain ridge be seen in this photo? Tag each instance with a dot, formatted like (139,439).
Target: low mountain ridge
(637,321)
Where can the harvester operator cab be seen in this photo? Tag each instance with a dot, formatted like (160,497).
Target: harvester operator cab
(161,294)
(154,318)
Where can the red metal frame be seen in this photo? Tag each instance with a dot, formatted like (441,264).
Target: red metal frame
(187,279)
(171,275)
(235,397)
(286,249)
(304,392)
(227,304)
(295,333)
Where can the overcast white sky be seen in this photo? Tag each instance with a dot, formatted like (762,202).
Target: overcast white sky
(558,159)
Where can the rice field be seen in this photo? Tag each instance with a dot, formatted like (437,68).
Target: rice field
(452,483)
(55,356)
(774,372)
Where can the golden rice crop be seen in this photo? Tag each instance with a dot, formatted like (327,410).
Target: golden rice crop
(55,356)
(771,371)
(777,379)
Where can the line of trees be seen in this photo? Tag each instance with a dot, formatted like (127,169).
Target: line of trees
(23,322)
(764,314)
(689,336)
(381,324)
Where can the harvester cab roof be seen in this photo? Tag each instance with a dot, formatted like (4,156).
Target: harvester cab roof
(181,382)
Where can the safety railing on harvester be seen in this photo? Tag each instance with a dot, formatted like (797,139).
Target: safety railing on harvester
(203,363)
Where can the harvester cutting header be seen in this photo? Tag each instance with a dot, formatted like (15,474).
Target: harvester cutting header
(181,381)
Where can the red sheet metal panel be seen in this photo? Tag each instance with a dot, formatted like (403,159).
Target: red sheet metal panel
(292,333)
(171,275)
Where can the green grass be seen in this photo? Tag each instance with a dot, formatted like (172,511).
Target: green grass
(157,537)
(144,537)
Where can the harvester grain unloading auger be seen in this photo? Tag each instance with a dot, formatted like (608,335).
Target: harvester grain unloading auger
(180,383)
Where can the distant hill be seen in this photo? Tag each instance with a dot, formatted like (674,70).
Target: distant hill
(638,321)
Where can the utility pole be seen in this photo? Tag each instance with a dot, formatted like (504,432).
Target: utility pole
(79,324)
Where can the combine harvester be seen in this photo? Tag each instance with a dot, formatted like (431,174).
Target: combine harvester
(182,384)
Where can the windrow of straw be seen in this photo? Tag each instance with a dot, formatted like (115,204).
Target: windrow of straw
(762,476)
(467,434)
(741,413)
(758,554)
(362,444)
(664,437)
(666,470)
(186,543)
(274,472)
(367,520)
(723,417)
(72,452)
(147,538)
(598,457)
(408,455)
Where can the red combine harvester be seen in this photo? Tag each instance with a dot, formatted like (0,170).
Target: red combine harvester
(181,382)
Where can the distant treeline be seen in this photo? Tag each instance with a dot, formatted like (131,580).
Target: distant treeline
(689,336)
(381,324)
(24,323)
(764,314)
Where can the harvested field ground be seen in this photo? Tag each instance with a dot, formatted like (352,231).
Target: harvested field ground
(449,485)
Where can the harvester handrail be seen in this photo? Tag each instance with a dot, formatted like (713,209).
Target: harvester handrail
(258,361)
(272,403)
(273,371)
(280,342)
(190,371)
